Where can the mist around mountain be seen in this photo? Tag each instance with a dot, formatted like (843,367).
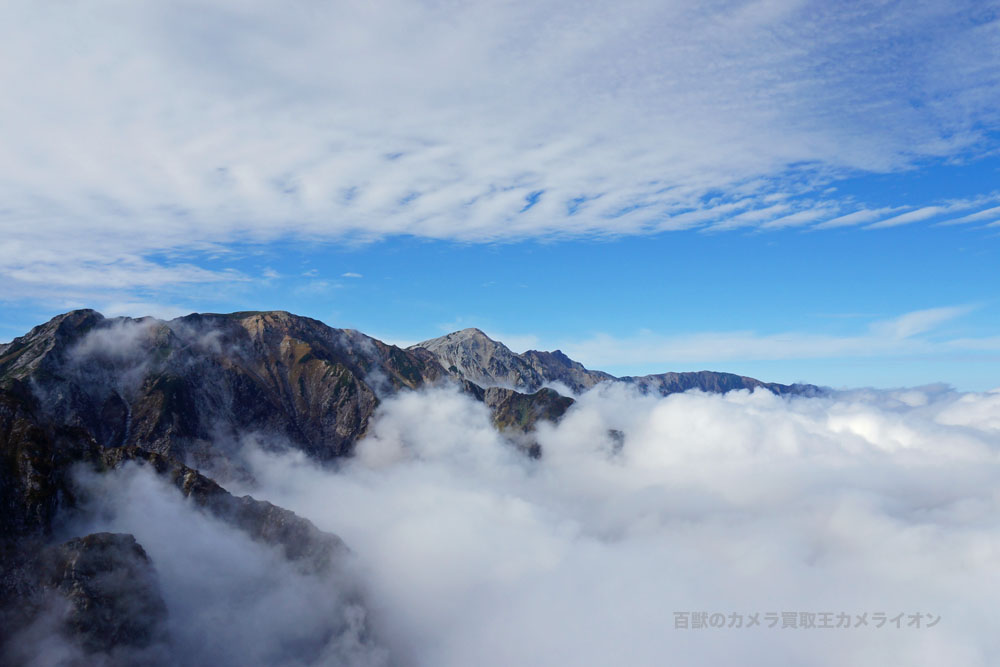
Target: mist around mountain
(258,488)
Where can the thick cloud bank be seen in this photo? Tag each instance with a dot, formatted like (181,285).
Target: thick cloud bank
(470,553)
(876,503)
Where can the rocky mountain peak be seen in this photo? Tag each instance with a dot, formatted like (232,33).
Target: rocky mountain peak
(25,354)
(471,355)
(469,336)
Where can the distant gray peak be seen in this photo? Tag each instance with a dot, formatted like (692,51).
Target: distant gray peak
(464,336)
(473,356)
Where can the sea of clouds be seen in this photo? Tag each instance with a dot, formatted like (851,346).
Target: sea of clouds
(467,552)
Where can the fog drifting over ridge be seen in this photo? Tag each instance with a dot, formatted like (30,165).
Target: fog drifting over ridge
(468,552)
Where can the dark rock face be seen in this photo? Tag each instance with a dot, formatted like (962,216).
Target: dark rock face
(35,460)
(113,594)
(521,412)
(99,592)
(516,414)
(91,600)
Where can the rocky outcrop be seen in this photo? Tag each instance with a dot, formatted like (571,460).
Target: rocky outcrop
(299,540)
(514,411)
(90,600)
(113,595)
(516,415)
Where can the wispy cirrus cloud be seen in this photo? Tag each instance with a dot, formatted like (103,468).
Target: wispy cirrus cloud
(860,217)
(943,210)
(130,129)
(914,333)
(917,215)
(988,215)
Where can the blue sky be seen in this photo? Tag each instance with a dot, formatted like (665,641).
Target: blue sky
(792,190)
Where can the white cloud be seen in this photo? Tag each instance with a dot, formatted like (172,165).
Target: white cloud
(911,216)
(133,128)
(350,274)
(918,322)
(317,287)
(516,342)
(929,212)
(987,215)
(855,218)
(798,219)
(898,336)
(143,309)
(859,502)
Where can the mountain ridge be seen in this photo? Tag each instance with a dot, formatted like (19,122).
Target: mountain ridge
(473,355)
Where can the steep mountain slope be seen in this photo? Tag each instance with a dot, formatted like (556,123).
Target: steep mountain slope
(188,387)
